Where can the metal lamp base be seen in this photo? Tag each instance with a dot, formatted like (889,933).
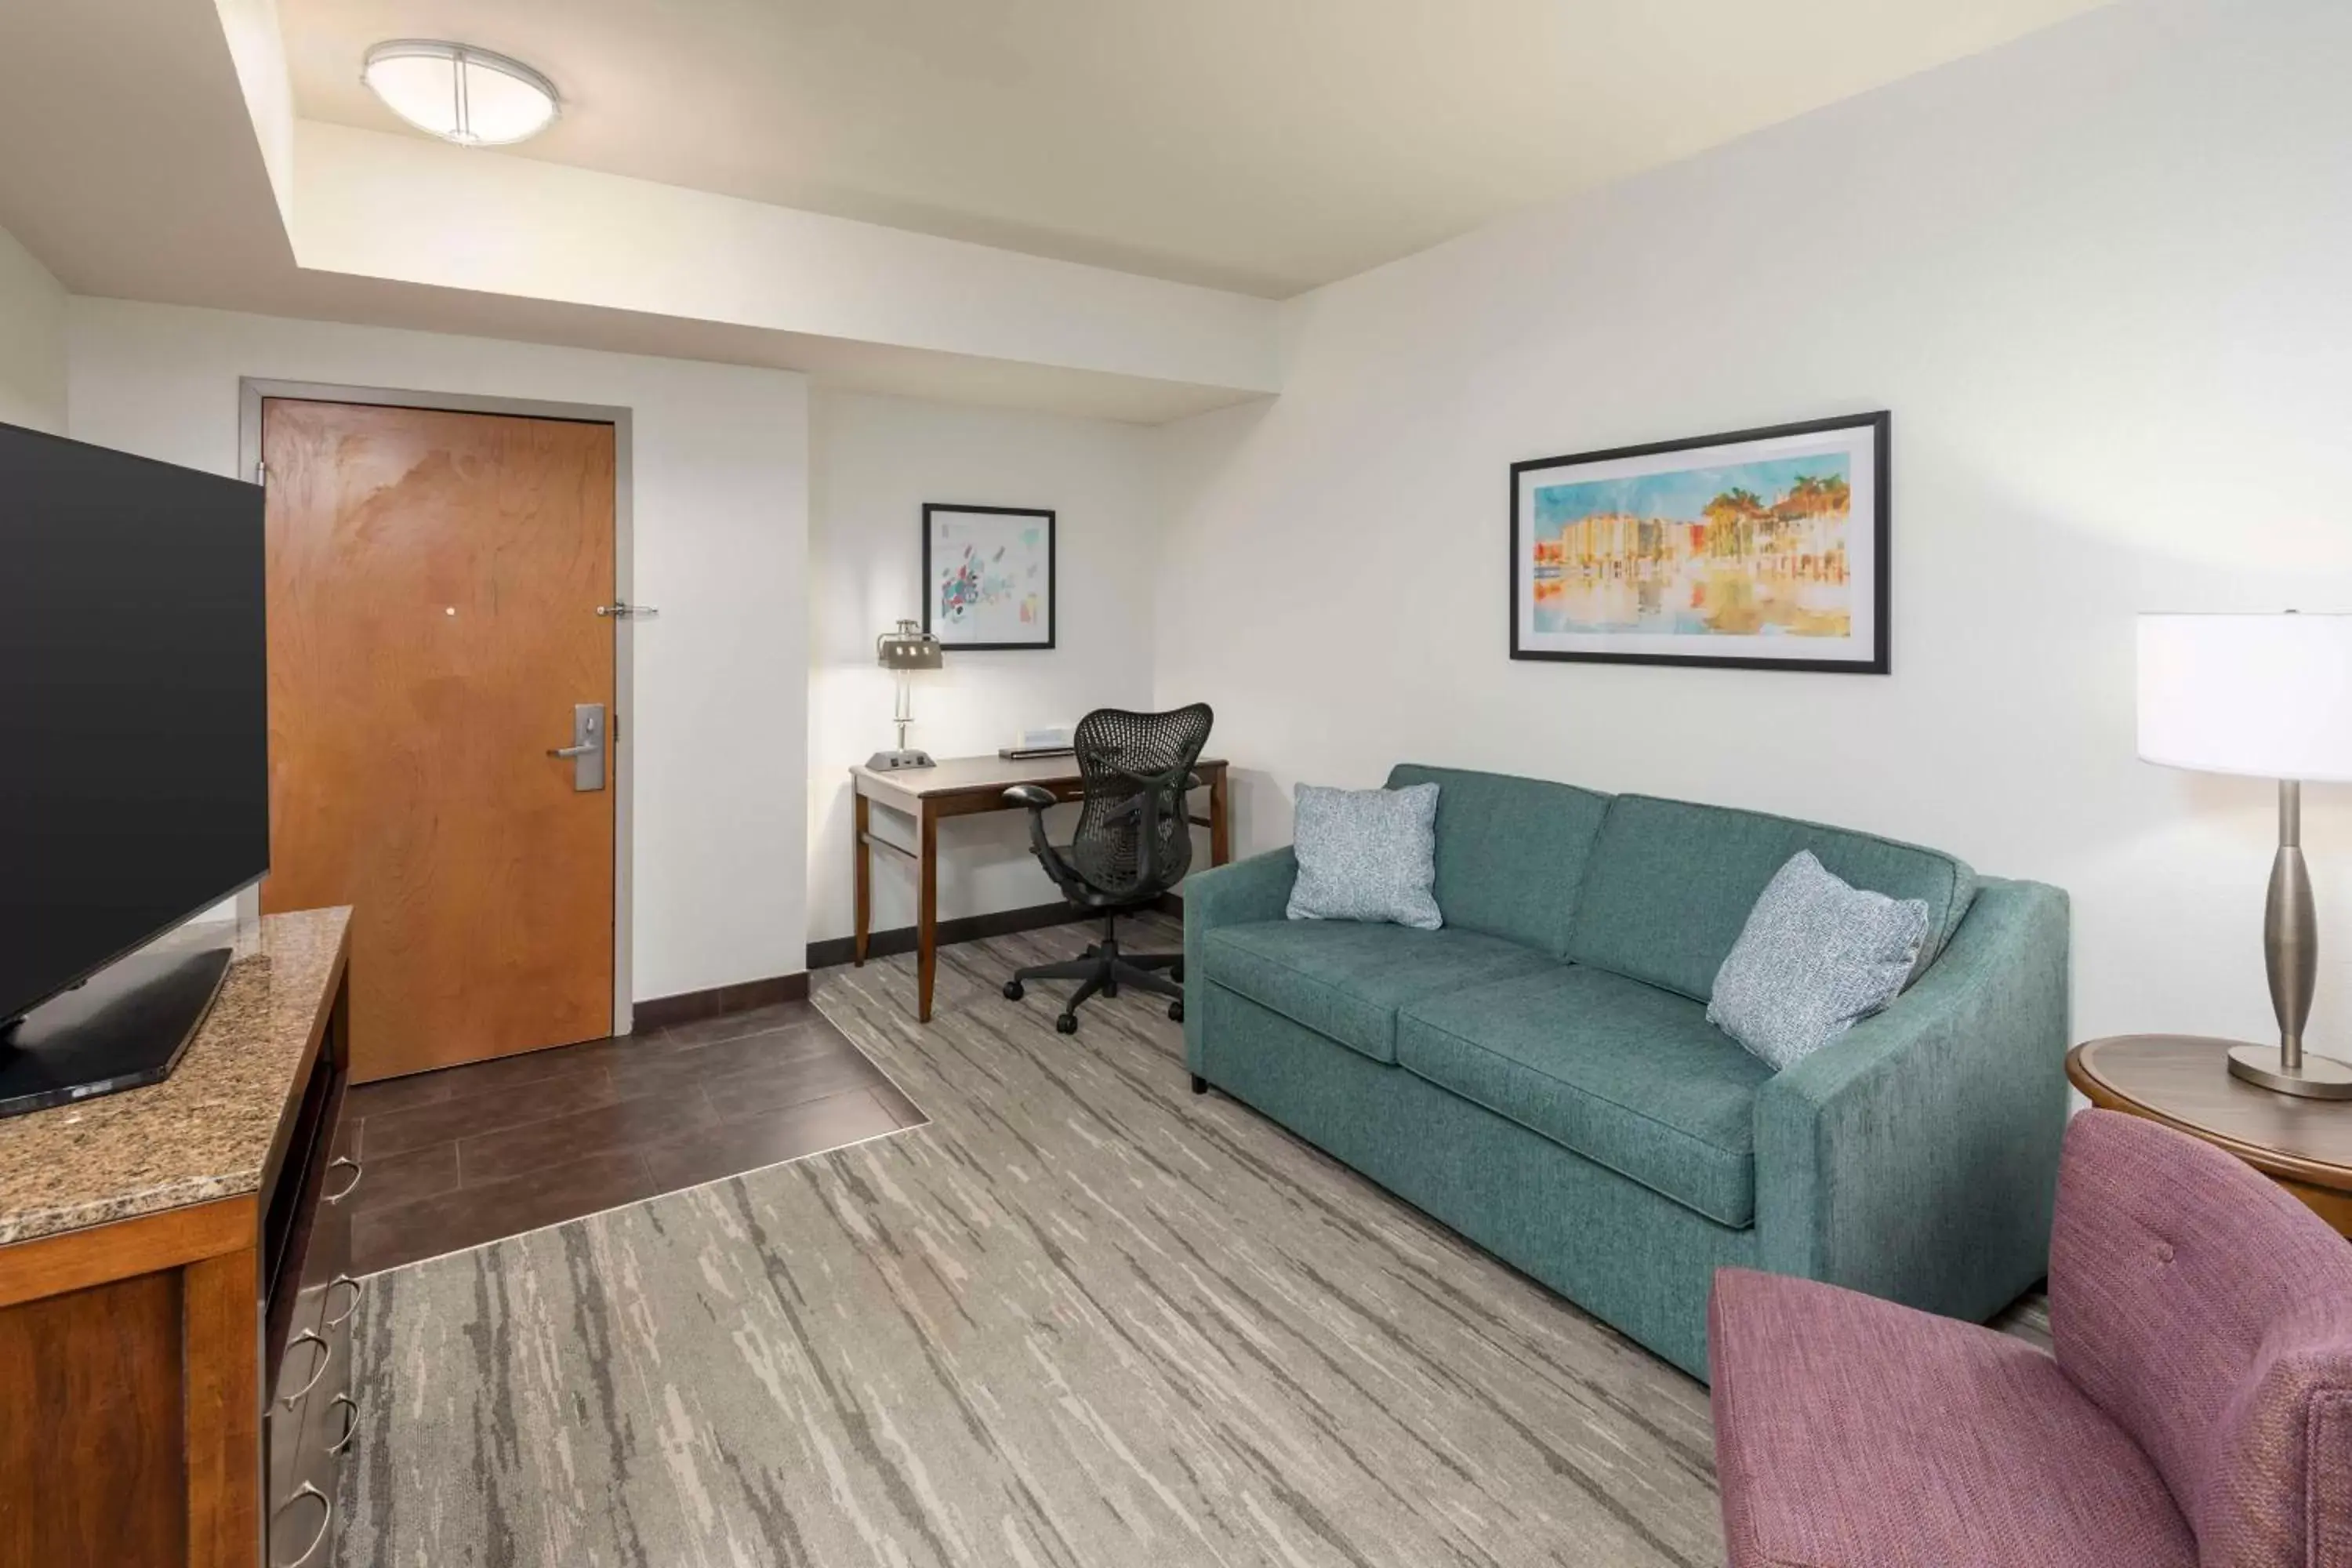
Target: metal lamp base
(2291,957)
(888,761)
(2316,1078)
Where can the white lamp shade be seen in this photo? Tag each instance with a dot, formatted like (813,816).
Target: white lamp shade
(2267,696)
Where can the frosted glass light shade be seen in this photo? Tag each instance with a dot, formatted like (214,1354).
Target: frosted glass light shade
(2267,696)
(459,93)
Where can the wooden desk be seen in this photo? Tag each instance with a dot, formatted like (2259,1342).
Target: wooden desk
(963,787)
(2183,1081)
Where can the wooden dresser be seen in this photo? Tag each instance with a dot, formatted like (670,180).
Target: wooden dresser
(174,1313)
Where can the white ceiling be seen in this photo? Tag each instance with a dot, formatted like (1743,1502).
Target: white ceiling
(1260,146)
(1263,153)
(130,166)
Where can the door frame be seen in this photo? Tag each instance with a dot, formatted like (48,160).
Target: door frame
(621,738)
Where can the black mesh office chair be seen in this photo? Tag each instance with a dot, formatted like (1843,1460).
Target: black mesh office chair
(1132,844)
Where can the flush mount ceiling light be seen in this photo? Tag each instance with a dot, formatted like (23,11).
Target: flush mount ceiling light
(460,93)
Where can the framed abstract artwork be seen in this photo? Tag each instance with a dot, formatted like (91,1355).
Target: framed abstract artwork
(1756,550)
(988,576)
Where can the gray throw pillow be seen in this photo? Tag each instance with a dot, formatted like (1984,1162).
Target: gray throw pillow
(1366,854)
(1815,955)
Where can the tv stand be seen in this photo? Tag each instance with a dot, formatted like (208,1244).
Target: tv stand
(123,1027)
(176,1298)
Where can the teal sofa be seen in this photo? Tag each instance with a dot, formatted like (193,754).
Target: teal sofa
(1539,1075)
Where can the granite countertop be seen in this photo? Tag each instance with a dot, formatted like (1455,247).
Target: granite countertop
(204,1131)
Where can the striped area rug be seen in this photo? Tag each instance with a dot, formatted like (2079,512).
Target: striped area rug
(1083,1318)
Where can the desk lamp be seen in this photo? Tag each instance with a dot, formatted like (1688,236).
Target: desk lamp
(2269,696)
(902,651)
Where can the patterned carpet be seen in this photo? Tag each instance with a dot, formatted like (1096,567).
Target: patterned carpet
(1083,1318)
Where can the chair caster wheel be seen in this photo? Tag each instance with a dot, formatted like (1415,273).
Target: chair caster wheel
(1067,1024)
(1012,990)
(1176,1011)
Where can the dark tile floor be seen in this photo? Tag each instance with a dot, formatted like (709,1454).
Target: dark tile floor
(453,1159)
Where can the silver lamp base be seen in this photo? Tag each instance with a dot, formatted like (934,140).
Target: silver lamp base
(888,761)
(2291,957)
(2315,1077)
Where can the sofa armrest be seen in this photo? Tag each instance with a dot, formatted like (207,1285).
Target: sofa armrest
(1916,1157)
(1257,888)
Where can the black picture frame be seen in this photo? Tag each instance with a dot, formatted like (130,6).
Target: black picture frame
(931,511)
(1878,424)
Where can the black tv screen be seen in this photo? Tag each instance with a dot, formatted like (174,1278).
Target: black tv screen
(134,786)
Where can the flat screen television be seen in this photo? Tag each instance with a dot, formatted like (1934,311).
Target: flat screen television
(135,788)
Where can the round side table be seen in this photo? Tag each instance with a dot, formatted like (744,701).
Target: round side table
(2183,1081)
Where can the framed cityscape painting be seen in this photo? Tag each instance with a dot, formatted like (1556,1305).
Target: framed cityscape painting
(988,576)
(1756,550)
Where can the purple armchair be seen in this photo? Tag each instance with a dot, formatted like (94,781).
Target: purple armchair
(2198,1409)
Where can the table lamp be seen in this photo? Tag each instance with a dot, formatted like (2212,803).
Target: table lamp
(903,650)
(2268,696)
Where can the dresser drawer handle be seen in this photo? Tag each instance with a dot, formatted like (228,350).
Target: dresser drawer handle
(348,1186)
(351,1422)
(325,1519)
(326,1354)
(358,1290)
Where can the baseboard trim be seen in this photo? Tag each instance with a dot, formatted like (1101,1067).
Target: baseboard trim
(690,1007)
(965,928)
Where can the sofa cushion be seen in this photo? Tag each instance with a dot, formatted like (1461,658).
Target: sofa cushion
(1347,981)
(1670,884)
(1511,851)
(1622,1073)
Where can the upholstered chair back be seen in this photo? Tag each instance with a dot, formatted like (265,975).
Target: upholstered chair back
(2210,1314)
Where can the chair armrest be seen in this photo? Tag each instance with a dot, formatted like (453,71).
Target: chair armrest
(1257,888)
(1916,1157)
(1038,798)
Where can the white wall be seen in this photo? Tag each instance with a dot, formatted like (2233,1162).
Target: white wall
(720,498)
(32,340)
(874,462)
(2099,278)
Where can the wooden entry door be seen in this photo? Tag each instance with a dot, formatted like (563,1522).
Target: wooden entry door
(433,579)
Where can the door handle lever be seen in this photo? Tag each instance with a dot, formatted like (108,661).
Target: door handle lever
(586,752)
